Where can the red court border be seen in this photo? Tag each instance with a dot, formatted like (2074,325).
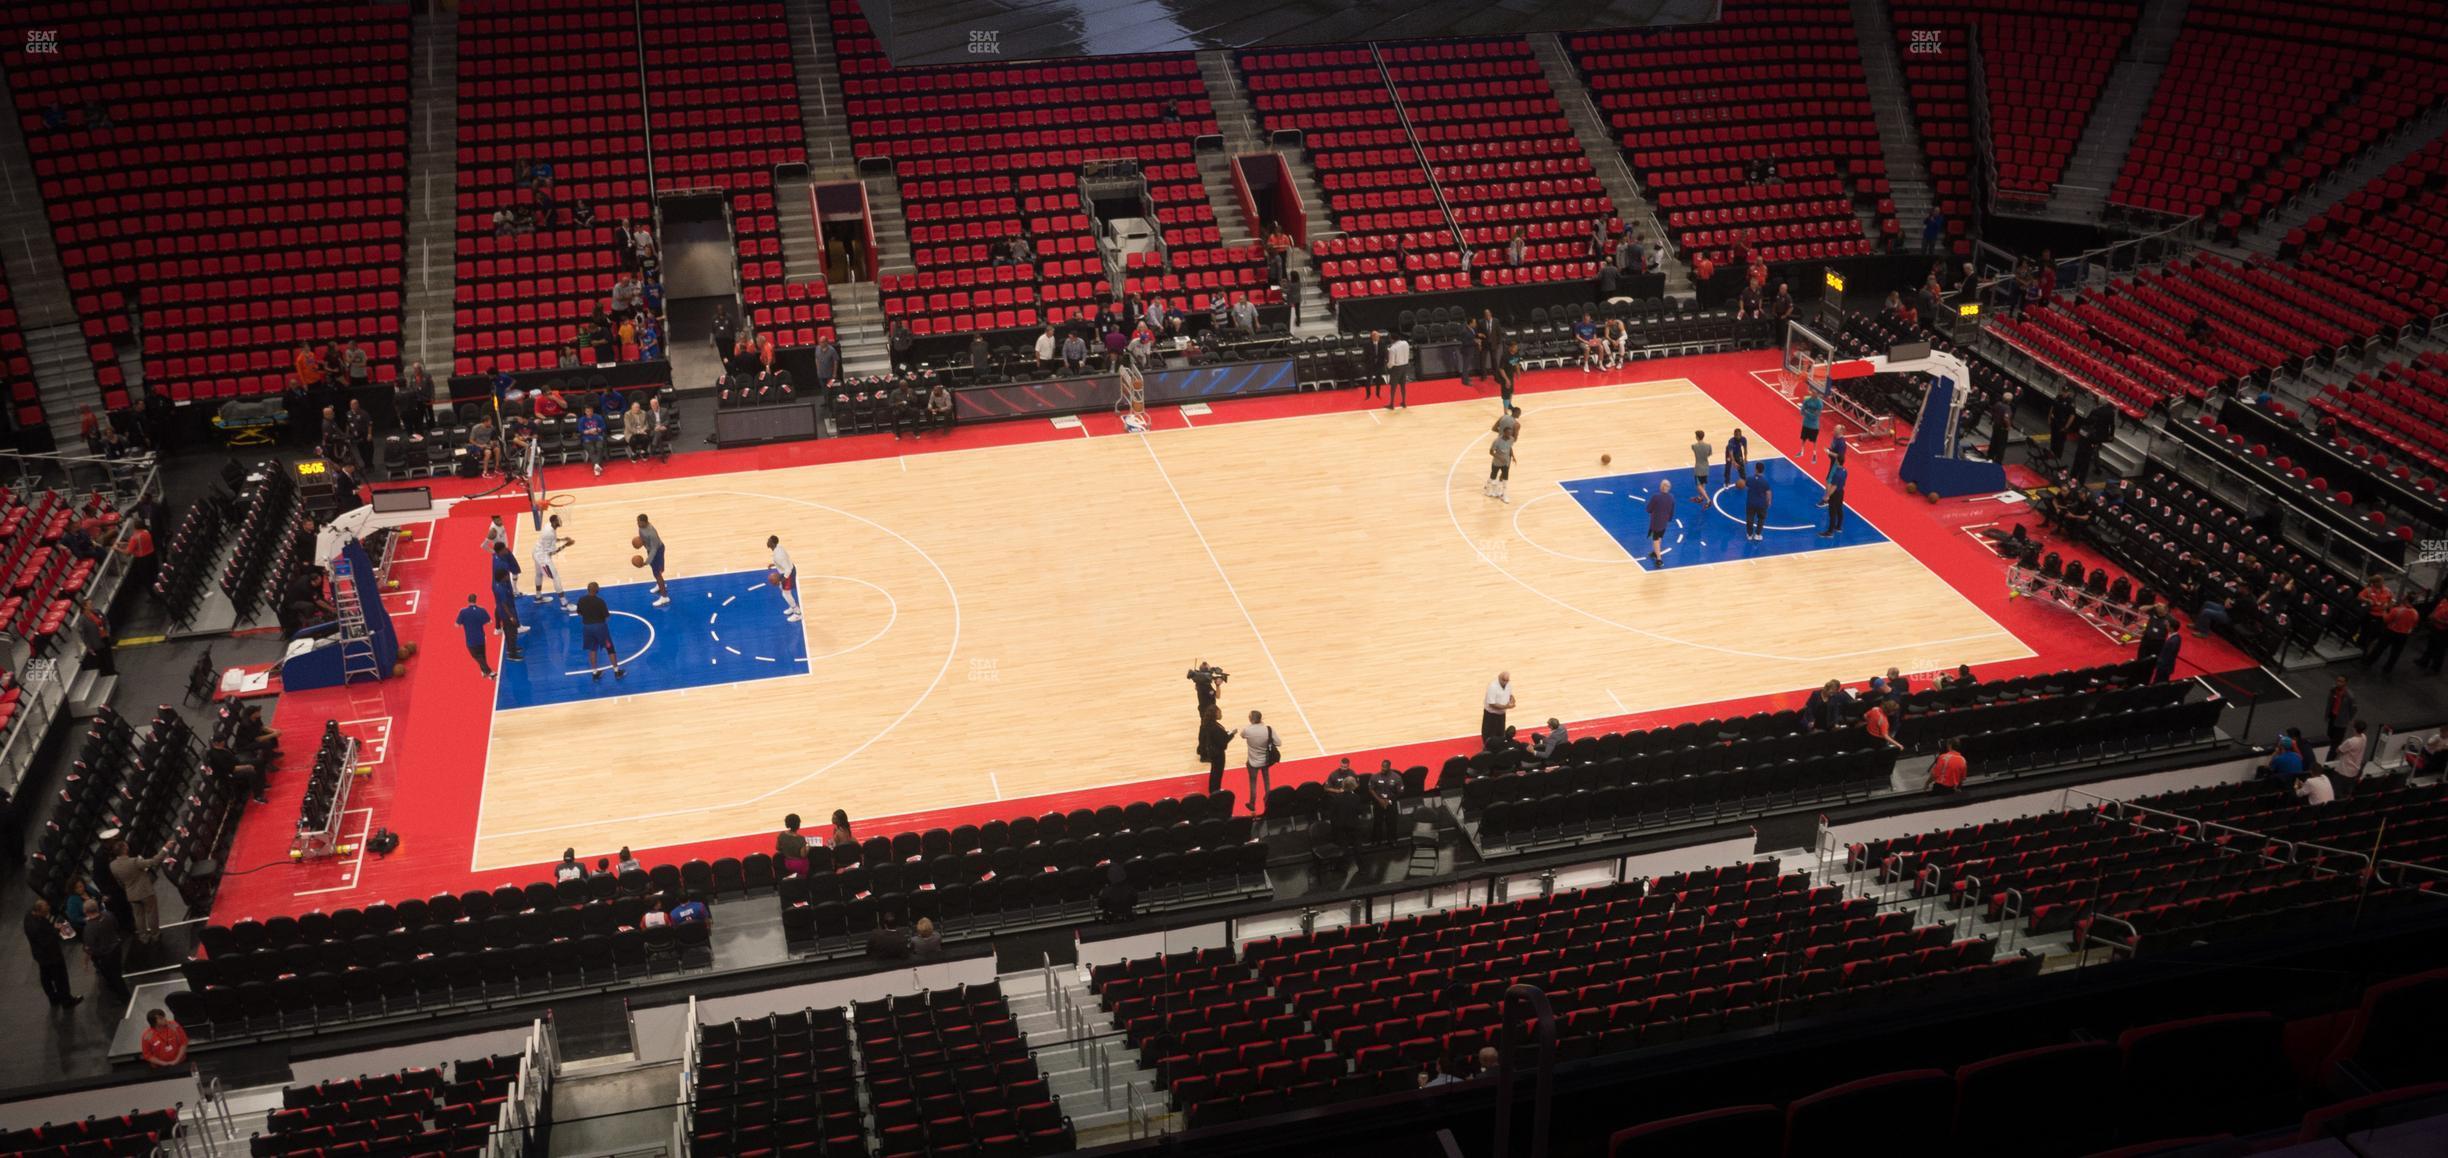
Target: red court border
(429,787)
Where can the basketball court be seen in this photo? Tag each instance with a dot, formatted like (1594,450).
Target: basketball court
(1011,620)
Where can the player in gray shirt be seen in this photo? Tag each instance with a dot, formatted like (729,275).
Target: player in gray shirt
(1700,466)
(650,542)
(1500,467)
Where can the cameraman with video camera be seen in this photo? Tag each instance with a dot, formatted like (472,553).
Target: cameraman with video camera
(1213,735)
(1209,680)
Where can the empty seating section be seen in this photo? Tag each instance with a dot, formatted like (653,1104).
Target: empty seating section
(551,83)
(138,1134)
(1775,82)
(943,1071)
(2408,825)
(2191,1085)
(2045,63)
(414,1111)
(2384,248)
(724,100)
(1028,868)
(24,398)
(1194,264)
(273,150)
(39,575)
(2167,531)
(2354,73)
(2149,881)
(1369,168)
(787,1071)
(989,153)
(2206,323)
(2393,418)
(1297,1021)
(948,1073)
(2366,491)
(1499,149)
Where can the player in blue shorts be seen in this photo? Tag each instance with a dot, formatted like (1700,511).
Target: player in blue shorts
(1755,502)
(595,629)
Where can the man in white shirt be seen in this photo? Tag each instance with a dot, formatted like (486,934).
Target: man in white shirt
(785,576)
(1398,372)
(1493,706)
(547,545)
(1045,351)
(2347,758)
(2315,789)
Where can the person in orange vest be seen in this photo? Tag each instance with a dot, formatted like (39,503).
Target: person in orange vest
(1947,772)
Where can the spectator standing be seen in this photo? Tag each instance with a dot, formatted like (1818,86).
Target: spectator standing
(2338,712)
(1492,708)
(1879,721)
(1385,789)
(2435,643)
(1213,737)
(2397,626)
(105,944)
(1262,748)
(1074,354)
(1933,227)
(1398,373)
(136,877)
(43,943)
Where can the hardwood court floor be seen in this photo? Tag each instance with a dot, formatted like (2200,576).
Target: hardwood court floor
(1015,620)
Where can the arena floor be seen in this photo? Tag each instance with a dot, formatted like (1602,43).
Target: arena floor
(1006,614)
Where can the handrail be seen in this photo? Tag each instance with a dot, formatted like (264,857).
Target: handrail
(1543,1014)
(2369,869)
(1453,225)
(2440,873)
(1976,88)
(2010,914)
(1973,888)
(2133,936)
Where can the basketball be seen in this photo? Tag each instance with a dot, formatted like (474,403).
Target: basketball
(637,560)
(637,541)
(1606,460)
(773,578)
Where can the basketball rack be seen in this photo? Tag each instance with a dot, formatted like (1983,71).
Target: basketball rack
(2111,618)
(317,843)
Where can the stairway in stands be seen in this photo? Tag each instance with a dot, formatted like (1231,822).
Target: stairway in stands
(2109,135)
(2333,186)
(822,115)
(46,314)
(858,311)
(1239,124)
(1240,128)
(1076,1044)
(1892,106)
(433,182)
(1605,154)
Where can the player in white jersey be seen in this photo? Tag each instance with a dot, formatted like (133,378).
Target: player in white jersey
(548,544)
(785,575)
